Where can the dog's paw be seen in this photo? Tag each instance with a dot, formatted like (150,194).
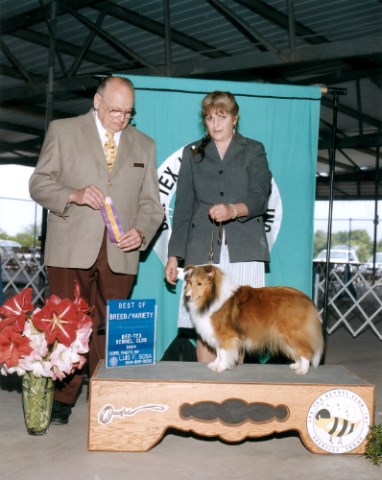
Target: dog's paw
(295,366)
(217,366)
(301,371)
(301,367)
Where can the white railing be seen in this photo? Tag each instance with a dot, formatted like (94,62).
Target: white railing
(354,299)
(21,268)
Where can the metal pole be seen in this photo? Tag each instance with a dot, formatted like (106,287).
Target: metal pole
(332,165)
(167,36)
(48,117)
(376,218)
(49,100)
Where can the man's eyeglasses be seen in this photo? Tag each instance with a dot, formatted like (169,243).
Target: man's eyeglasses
(117,113)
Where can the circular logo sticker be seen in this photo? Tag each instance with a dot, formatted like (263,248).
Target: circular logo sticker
(113,361)
(338,421)
(168,174)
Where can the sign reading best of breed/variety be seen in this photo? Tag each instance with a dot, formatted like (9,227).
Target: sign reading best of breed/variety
(130,337)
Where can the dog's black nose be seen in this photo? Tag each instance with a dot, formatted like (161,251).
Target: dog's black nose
(187,298)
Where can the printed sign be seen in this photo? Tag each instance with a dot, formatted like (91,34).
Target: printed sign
(338,421)
(130,337)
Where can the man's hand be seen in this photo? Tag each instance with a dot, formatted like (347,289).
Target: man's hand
(90,195)
(130,240)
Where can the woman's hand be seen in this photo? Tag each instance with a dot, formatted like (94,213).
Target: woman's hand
(220,212)
(171,270)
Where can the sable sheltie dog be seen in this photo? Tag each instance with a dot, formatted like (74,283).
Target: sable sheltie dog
(233,319)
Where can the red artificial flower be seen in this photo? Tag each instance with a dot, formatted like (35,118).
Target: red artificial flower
(15,310)
(78,300)
(13,346)
(58,321)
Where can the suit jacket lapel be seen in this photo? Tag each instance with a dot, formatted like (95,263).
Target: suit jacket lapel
(212,152)
(92,139)
(234,148)
(124,150)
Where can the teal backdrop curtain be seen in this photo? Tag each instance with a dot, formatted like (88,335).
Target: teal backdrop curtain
(285,118)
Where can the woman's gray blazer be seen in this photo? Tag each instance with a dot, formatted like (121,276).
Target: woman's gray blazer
(243,176)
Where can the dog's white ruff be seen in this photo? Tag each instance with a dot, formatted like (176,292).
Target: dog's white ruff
(202,321)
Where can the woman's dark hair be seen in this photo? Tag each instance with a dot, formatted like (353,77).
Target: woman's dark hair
(200,149)
(215,102)
(219,102)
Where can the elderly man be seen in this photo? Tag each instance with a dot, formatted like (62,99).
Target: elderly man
(82,161)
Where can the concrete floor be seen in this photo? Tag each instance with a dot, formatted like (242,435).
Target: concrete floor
(62,453)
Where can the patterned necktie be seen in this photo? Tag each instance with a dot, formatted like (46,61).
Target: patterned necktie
(110,149)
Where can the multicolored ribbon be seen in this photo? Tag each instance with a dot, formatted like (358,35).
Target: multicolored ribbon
(111,219)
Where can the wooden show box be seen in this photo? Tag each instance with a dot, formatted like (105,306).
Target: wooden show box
(130,408)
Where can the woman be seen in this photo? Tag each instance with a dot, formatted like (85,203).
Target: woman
(222,194)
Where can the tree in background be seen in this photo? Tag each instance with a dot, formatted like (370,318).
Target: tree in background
(29,237)
(359,239)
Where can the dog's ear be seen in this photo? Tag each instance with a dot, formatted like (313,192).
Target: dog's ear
(210,270)
(188,269)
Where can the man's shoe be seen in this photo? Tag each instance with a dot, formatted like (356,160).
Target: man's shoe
(60,413)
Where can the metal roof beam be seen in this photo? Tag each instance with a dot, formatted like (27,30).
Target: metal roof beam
(15,127)
(65,87)
(29,161)
(251,34)
(352,142)
(341,75)
(351,112)
(278,18)
(34,16)
(112,41)
(257,61)
(29,145)
(157,28)
(13,61)
(65,47)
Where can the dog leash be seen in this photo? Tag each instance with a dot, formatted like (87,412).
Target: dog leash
(211,253)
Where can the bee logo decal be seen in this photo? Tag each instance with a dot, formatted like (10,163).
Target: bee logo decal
(335,426)
(338,421)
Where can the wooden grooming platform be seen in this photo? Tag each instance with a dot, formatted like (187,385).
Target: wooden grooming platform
(130,408)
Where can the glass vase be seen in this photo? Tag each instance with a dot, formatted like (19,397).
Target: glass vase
(37,393)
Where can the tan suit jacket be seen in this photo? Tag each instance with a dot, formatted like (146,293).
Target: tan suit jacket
(71,158)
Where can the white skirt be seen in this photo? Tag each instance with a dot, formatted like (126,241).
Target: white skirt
(241,273)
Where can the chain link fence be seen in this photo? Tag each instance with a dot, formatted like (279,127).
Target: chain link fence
(21,268)
(354,298)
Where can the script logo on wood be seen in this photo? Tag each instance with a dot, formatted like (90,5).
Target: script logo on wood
(108,412)
(338,421)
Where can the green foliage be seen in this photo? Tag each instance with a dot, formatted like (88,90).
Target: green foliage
(373,449)
(358,238)
(319,242)
(29,237)
(4,236)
